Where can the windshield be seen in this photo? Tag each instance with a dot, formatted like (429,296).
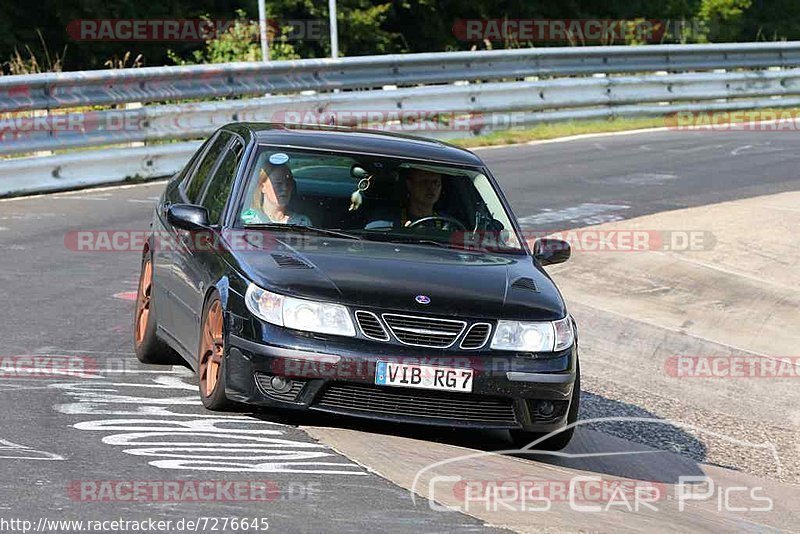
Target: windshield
(377,198)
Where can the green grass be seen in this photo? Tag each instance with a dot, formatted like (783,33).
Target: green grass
(566,129)
(559,129)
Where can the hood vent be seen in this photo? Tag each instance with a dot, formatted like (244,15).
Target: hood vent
(526,284)
(285,261)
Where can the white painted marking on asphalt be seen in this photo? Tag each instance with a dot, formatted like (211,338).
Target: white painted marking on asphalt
(738,150)
(587,212)
(29,216)
(96,189)
(698,148)
(237,444)
(636,178)
(85,197)
(13,451)
(757,149)
(20,387)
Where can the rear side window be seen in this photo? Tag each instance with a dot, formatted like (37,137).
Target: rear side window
(219,187)
(187,169)
(201,175)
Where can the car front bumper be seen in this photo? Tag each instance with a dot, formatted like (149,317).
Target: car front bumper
(337,375)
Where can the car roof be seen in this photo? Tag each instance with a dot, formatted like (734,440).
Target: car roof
(356,141)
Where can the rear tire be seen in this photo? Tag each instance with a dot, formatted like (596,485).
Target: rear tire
(211,357)
(558,441)
(148,347)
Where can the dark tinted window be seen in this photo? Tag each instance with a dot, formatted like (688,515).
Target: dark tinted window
(187,169)
(219,188)
(201,175)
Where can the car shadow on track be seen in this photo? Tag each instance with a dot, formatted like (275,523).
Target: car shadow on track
(653,450)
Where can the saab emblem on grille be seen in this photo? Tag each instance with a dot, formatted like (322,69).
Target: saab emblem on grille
(423,299)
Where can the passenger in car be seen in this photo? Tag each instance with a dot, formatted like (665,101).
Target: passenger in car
(272,197)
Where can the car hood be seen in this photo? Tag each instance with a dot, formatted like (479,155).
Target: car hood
(390,276)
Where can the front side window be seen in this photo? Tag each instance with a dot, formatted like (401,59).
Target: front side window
(377,198)
(219,186)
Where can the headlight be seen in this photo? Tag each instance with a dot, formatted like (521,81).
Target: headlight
(299,314)
(533,337)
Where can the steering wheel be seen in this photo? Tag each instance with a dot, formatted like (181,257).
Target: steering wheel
(437,218)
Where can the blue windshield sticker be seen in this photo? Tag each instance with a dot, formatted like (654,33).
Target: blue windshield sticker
(279,158)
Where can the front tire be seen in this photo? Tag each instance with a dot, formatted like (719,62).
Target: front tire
(211,357)
(558,441)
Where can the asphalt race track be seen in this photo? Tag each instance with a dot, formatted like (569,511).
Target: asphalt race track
(63,438)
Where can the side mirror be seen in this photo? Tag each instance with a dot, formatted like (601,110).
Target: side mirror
(188,217)
(549,251)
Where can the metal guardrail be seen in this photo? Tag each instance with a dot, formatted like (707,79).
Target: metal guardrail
(562,84)
(93,167)
(191,121)
(151,84)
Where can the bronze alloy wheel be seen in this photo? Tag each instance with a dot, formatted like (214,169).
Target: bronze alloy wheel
(212,349)
(143,301)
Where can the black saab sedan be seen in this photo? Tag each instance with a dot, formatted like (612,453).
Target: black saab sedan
(358,273)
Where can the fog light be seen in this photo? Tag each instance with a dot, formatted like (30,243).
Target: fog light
(545,407)
(280,384)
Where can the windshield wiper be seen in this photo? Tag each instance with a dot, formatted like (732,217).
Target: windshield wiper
(300,228)
(413,241)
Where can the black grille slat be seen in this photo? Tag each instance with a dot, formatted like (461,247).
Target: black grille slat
(477,336)
(424,331)
(371,326)
(419,403)
(499,419)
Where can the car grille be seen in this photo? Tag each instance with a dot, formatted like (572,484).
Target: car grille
(371,326)
(419,403)
(476,336)
(424,331)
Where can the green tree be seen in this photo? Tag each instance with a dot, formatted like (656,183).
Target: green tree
(239,42)
(724,18)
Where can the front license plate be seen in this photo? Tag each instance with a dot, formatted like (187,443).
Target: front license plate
(423,376)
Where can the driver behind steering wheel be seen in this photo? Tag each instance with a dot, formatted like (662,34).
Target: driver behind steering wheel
(424,188)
